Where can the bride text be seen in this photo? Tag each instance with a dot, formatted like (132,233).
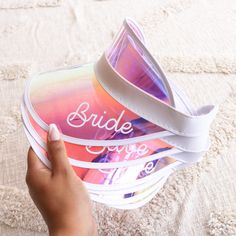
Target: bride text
(80,117)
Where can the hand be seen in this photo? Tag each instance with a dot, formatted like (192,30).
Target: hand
(59,194)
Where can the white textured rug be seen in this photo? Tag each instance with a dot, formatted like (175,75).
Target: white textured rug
(16,4)
(194,40)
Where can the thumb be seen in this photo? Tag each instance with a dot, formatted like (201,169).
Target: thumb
(57,151)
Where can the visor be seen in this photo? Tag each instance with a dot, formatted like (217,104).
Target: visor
(126,128)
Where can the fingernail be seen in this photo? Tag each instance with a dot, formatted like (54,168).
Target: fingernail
(53,134)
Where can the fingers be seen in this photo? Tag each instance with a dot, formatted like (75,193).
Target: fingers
(57,151)
(34,163)
(35,169)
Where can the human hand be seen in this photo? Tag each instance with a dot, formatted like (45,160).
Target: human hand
(59,193)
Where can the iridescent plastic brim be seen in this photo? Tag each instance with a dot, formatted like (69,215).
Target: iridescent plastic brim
(130,198)
(141,202)
(72,111)
(129,57)
(119,151)
(104,154)
(122,198)
(126,196)
(74,99)
(99,156)
(116,175)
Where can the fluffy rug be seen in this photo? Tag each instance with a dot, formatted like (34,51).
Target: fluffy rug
(16,4)
(194,41)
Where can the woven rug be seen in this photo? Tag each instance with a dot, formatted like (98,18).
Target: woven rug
(17,4)
(193,40)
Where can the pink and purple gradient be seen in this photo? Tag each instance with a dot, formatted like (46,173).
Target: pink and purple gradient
(100,154)
(75,94)
(123,175)
(75,101)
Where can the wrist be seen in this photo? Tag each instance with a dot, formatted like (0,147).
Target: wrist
(73,231)
(63,231)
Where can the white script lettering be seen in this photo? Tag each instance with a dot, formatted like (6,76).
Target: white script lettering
(80,117)
(139,150)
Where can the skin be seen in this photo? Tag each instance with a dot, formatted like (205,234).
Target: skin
(59,194)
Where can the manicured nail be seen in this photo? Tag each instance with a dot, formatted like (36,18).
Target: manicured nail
(53,134)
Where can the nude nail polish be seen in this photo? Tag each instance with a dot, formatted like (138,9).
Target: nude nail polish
(53,134)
